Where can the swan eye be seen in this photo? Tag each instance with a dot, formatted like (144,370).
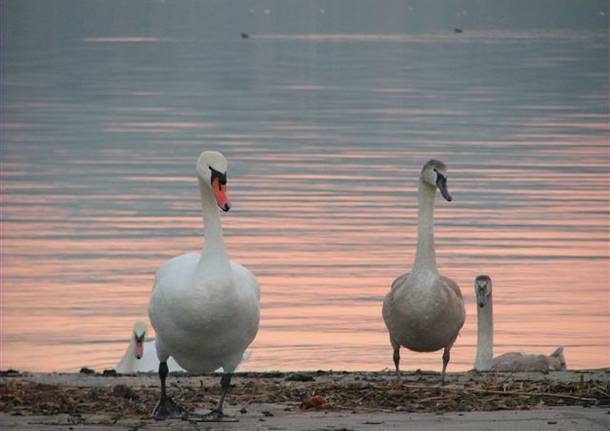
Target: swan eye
(439,175)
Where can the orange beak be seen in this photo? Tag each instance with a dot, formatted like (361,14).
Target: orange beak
(220,192)
(139,352)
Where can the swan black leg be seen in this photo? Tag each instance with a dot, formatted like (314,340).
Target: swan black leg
(446,356)
(217,415)
(396,358)
(225,383)
(166,408)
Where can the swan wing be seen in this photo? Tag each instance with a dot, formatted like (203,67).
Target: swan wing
(389,311)
(452,285)
(245,281)
(455,302)
(399,282)
(176,271)
(388,302)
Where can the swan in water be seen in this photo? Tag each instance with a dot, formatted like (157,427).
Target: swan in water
(511,361)
(141,355)
(424,311)
(204,307)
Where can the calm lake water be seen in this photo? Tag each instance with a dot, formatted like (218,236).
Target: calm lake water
(325,136)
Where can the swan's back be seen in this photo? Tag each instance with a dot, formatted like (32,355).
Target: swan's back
(519,361)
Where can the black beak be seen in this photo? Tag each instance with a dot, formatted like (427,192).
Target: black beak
(226,208)
(222,178)
(441,183)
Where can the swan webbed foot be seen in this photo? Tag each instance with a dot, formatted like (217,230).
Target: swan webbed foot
(167,408)
(397,378)
(216,415)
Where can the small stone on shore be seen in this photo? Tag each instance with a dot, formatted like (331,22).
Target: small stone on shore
(299,377)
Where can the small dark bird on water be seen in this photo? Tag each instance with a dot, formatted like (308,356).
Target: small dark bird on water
(245,35)
(458,30)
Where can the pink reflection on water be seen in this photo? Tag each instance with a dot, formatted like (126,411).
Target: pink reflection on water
(312,293)
(326,243)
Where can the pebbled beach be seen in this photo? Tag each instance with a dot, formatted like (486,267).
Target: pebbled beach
(322,400)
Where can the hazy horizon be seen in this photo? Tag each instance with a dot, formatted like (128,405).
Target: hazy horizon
(40,22)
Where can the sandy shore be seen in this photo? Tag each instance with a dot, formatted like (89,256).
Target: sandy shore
(571,400)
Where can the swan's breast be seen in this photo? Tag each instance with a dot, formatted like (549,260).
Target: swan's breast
(423,313)
(419,297)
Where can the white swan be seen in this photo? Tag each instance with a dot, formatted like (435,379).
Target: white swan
(511,361)
(424,311)
(141,355)
(204,307)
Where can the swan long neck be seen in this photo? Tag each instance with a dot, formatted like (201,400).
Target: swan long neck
(425,257)
(212,228)
(128,361)
(485,335)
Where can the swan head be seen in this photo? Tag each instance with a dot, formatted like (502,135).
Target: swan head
(212,172)
(557,361)
(434,173)
(482,288)
(139,334)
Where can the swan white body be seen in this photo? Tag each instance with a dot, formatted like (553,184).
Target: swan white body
(205,312)
(511,361)
(204,307)
(519,361)
(424,311)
